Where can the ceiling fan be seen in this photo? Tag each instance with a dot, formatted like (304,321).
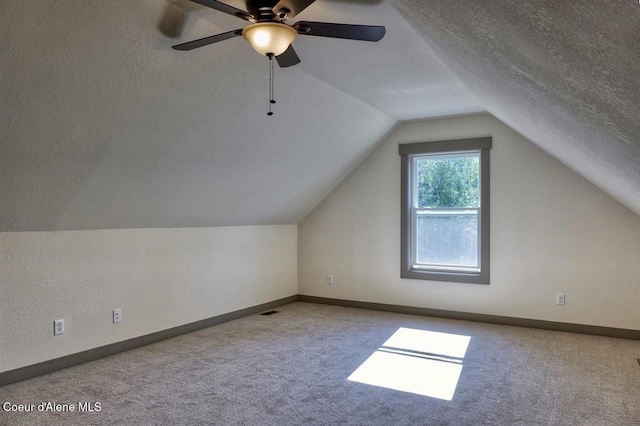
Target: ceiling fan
(268,33)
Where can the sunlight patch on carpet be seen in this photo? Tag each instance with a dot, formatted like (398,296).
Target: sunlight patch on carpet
(421,362)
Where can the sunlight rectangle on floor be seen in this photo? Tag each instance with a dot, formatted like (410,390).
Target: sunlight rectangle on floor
(406,373)
(421,362)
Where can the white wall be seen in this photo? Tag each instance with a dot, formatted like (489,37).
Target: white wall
(551,231)
(160,278)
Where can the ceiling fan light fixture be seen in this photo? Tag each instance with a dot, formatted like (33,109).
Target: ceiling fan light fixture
(269,37)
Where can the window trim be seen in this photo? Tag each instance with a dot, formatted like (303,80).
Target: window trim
(407,151)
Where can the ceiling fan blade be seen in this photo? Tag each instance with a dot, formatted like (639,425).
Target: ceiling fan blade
(348,31)
(213,4)
(293,6)
(289,58)
(190,45)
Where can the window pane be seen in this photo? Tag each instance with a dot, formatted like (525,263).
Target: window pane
(447,238)
(448,180)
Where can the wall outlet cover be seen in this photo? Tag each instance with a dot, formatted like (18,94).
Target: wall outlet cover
(58,327)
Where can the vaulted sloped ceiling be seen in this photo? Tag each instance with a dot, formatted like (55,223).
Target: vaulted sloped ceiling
(565,74)
(103,125)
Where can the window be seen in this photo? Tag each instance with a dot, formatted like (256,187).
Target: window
(445,210)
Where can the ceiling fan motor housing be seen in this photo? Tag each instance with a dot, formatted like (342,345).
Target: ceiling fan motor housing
(260,8)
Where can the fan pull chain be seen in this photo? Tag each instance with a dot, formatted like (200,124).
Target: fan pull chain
(271,74)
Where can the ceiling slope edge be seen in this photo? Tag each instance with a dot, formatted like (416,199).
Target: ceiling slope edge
(559,73)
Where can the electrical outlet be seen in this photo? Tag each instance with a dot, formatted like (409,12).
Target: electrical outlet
(58,327)
(117,315)
(329,279)
(560,299)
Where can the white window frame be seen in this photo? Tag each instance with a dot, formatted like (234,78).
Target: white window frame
(410,154)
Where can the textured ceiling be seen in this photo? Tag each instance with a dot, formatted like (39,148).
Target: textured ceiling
(562,73)
(103,125)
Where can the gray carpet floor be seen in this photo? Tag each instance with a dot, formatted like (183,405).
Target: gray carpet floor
(292,368)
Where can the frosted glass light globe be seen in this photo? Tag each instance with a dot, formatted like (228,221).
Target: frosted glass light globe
(269,37)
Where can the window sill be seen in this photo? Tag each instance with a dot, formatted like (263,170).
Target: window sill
(457,277)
